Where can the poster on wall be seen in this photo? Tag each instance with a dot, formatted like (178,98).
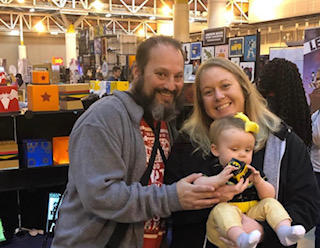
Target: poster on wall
(236,47)
(236,61)
(188,70)
(311,65)
(250,48)
(91,33)
(97,46)
(248,68)
(195,50)
(221,51)
(186,50)
(207,53)
(293,54)
(195,65)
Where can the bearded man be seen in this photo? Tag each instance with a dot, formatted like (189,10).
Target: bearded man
(112,146)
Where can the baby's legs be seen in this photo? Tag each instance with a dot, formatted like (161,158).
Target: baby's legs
(228,219)
(273,212)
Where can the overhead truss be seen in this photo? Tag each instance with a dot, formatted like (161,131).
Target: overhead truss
(126,15)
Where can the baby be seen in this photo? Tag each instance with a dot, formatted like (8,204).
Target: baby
(233,137)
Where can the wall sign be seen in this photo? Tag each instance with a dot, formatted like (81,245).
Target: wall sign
(57,60)
(214,36)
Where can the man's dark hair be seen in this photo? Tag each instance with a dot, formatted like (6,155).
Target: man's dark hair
(144,49)
(115,68)
(281,84)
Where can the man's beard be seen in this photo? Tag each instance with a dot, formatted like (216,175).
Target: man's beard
(159,111)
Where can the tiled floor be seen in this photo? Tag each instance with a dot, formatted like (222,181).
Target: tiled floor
(308,241)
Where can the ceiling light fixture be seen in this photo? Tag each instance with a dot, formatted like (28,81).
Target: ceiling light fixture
(20,1)
(97,5)
(166,10)
(39,27)
(31,10)
(14,32)
(108,15)
(229,16)
(152,18)
(141,32)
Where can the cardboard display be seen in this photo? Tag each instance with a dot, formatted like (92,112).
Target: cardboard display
(60,146)
(119,85)
(43,97)
(70,95)
(40,77)
(8,155)
(36,152)
(70,105)
(94,85)
(9,101)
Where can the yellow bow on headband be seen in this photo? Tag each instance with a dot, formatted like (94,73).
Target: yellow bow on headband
(250,126)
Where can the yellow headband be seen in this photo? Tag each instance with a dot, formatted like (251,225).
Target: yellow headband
(250,126)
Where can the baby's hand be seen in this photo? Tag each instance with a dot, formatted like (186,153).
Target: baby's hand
(228,170)
(226,173)
(255,176)
(223,177)
(217,180)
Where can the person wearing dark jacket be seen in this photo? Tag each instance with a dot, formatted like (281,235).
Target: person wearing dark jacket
(222,88)
(116,74)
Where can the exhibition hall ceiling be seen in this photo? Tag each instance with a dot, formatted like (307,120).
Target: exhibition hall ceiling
(124,15)
(131,15)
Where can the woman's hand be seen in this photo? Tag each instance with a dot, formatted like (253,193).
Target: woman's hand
(228,242)
(227,192)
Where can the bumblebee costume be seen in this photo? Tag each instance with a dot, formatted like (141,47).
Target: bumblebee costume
(229,214)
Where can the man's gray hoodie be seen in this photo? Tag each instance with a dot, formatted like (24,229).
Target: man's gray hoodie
(107,160)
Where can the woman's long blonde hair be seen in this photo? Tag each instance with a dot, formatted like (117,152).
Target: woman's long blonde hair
(197,126)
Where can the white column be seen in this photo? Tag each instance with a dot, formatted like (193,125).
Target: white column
(216,13)
(22,52)
(181,20)
(22,47)
(71,45)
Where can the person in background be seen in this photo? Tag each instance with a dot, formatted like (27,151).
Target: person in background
(315,159)
(110,148)
(116,74)
(222,89)
(233,142)
(19,80)
(281,85)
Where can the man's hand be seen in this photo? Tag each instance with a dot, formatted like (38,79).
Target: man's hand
(196,196)
(227,192)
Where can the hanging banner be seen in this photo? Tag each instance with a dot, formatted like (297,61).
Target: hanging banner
(311,67)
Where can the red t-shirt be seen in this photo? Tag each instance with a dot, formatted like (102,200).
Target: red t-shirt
(154,229)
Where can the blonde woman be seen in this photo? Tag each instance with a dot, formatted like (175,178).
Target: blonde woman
(221,89)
